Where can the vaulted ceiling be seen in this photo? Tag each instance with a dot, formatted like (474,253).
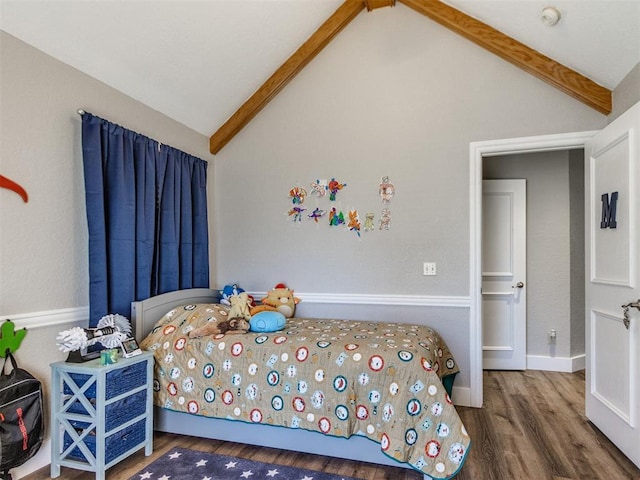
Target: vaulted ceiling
(233,56)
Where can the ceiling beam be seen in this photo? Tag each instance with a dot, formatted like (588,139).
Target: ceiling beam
(563,78)
(283,75)
(373,4)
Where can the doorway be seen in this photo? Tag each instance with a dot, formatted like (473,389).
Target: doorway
(553,286)
(479,151)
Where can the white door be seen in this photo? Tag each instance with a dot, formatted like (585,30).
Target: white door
(612,387)
(504,297)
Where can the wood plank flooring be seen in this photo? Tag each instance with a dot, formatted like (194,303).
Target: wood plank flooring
(532,426)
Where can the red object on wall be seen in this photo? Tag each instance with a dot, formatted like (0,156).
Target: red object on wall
(11,185)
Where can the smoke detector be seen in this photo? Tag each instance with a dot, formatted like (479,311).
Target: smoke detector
(550,16)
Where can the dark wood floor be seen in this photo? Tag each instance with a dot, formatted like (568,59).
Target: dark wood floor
(531,427)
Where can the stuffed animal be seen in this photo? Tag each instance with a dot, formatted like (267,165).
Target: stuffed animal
(240,306)
(282,300)
(228,291)
(227,327)
(261,308)
(267,321)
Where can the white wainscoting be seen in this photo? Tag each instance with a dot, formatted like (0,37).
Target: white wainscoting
(66,318)
(366,299)
(62,319)
(36,352)
(49,318)
(461,394)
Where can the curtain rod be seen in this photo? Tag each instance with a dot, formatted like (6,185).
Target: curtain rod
(82,112)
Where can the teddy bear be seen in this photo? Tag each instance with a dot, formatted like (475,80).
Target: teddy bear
(227,327)
(280,299)
(237,319)
(240,306)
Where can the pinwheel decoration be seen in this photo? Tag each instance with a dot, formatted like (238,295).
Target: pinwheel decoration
(110,331)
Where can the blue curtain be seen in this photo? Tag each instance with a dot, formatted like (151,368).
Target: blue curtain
(147,217)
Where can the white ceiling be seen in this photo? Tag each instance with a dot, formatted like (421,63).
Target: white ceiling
(206,57)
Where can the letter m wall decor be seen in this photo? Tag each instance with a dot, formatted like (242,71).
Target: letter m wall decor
(609,210)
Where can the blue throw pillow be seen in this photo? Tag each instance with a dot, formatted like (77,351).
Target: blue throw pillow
(267,321)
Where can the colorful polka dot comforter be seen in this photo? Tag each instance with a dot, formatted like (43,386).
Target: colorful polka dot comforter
(337,377)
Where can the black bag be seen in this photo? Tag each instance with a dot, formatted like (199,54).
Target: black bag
(21,422)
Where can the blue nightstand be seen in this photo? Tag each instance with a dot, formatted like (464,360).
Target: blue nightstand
(100,414)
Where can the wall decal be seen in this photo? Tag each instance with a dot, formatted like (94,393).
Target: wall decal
(323,194)
(319,187)
(316,214)
(609,207)
(354,221)
(297,195)
(386,191)
(385,220)
(13,186)
(335,218)
(296,213)
(334,188)
(368,222)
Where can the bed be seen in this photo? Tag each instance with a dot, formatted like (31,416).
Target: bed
(367,391)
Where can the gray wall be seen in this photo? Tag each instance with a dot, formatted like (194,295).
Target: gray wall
(626,94)
(394,94)
(555,246)
(43,243)
(41,149)
(577,251)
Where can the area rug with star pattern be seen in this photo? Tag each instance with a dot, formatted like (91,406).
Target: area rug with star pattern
(185,464)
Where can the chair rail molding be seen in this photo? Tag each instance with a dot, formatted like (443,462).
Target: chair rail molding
(376,299)
(49,318)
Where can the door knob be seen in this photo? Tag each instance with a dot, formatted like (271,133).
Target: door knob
(625,314)
(632,305)
(520,285)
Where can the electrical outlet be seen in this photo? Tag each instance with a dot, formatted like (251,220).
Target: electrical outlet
(551,336)
(428,268)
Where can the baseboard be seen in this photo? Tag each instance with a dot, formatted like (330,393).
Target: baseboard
(556,364)
(461,396)
(38,461)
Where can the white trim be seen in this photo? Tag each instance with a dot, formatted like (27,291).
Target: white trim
(39,460)
(31,321)
(539,143)
(478,150)
(556,364)
(595,226)
(49,318)
(369,299)
(461,396)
